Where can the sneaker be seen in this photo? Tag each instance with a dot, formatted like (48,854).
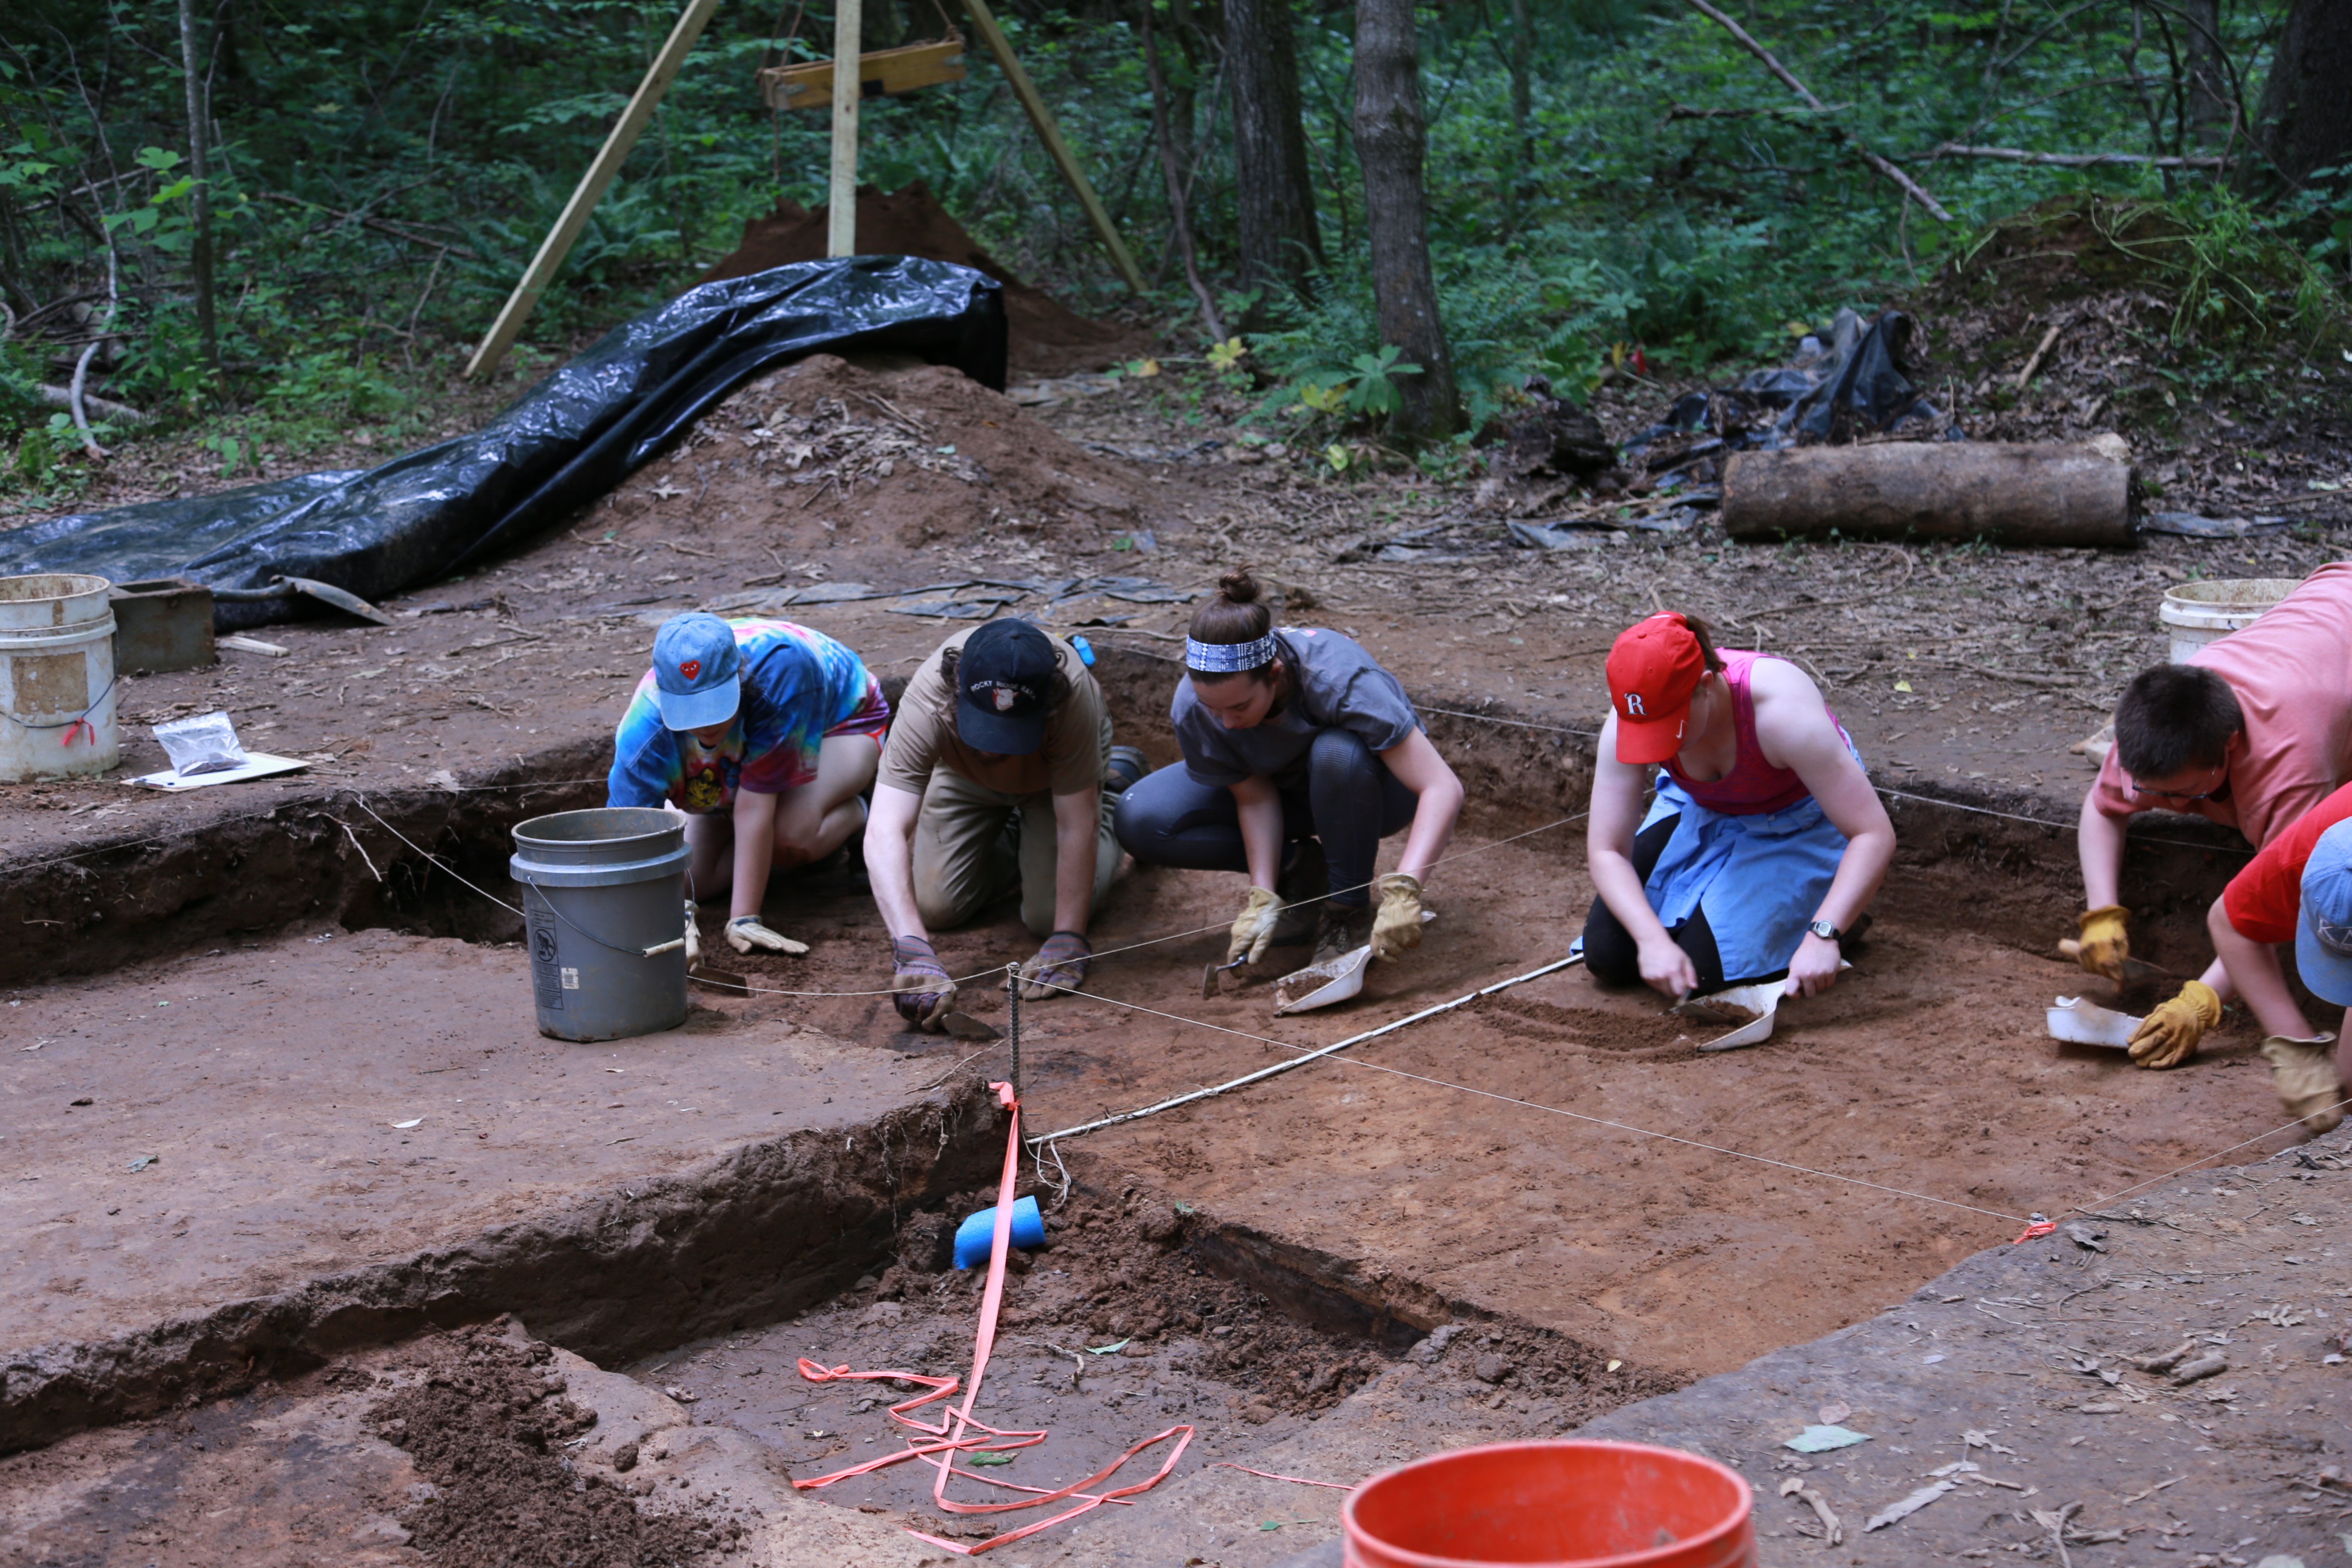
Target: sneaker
(1340,929)
(1127,764)
(1301,887)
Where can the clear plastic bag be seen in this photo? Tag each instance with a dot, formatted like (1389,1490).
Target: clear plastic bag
(206,744)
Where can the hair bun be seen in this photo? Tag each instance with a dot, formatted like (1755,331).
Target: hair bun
(1238,587)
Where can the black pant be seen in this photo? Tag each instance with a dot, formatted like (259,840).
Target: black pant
(1609,950)
(1349,800)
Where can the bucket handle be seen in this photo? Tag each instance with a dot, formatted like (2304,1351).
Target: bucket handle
(79,721)
(672,945)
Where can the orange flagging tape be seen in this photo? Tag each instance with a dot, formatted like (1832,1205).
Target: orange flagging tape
(2036,1231)
(955,1434)
(1269,1475)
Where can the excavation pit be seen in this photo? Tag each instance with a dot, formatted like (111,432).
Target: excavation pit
(719,1211)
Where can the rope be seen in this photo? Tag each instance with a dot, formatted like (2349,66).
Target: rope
(1491,1094)
(1514,724)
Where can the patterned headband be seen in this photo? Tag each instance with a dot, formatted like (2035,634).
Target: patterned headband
(1228,658)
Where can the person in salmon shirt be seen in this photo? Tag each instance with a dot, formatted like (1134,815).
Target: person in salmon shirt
(1765,843)
(2253,731)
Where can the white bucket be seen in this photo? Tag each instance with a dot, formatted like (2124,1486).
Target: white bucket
(2197,614)
(56,676)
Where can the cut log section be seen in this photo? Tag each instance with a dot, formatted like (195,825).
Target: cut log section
(2005,493)
(881,73)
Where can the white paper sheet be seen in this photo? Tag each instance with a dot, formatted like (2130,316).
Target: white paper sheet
(257,764)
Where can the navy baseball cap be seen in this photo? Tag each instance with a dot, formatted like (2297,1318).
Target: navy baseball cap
(1004,680)
(698,673)
(2323,938)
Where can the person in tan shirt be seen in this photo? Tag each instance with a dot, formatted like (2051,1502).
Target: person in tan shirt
(992,781)
(2252,732)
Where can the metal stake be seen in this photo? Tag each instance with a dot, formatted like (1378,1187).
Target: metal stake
(1013,988)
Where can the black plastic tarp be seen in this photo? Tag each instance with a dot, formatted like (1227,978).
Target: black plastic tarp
(566,441)
(1855,384)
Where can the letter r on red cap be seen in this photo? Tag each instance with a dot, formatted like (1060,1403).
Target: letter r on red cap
(1633,706)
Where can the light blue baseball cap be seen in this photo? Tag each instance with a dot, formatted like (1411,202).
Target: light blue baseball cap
(2323,938)
(698,672)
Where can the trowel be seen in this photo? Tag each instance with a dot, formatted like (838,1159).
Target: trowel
(1211,972)
(1753,1008)
(1329,983)
(2135,970)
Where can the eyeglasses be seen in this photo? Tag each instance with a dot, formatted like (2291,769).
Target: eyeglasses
(2208,792)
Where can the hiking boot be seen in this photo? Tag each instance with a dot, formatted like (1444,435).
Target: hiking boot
(2303,1074)
(1301,887)
(1127,764)
(1341,929)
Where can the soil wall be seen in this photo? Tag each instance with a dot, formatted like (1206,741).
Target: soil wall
(316,852)
(760,1232)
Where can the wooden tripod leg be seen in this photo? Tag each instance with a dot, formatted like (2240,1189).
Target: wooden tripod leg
(607,164)
(983,21)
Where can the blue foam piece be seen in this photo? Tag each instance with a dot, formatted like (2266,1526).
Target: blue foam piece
(977,1234)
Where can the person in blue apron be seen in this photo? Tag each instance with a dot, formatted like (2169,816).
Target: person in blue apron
(1766,842)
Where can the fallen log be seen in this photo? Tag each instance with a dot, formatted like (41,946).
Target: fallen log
(2003,492)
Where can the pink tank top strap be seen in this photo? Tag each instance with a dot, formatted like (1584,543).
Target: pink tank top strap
(1754,785)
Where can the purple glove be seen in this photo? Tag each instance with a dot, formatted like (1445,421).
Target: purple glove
(1059,968)
(924,993)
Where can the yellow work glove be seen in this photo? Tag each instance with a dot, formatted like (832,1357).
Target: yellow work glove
(2166,1036)
(1253,927)
(1397,928)
(2303,1073)
(2105,944)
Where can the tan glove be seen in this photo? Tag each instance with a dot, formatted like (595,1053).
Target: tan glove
(1396,930)
(920,988)
(746,932)
(2167,1036)
(1253,927)
(2303,1073)
(2105,944)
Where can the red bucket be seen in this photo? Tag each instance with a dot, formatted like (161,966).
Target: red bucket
(1563,1505)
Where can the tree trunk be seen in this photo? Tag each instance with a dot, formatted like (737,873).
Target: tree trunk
(1279,243)
(2207,88)
(1390,137)
(2306,119)
(200,197)
(1523,48)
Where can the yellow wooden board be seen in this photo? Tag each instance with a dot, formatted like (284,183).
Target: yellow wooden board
(884,72)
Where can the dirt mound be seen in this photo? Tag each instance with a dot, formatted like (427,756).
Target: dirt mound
(827,453)
(1048,338)
(479,1428)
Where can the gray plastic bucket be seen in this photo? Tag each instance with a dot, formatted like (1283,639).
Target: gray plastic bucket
(598,889)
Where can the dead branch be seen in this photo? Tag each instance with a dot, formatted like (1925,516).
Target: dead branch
(381,225)
(105,408)
(2073,160)
(1176,185)
(1685,112)
(73,399)
(1903,181)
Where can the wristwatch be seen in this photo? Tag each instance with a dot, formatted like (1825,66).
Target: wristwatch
(1825,930)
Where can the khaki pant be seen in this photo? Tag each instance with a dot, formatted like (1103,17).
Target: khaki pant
(974,845)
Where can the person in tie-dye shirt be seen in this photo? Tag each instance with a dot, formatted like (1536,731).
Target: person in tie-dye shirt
(763,734)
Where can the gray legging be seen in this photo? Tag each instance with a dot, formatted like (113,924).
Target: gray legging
(1349,800)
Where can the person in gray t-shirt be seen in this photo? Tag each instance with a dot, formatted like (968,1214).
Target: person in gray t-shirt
(1301,753)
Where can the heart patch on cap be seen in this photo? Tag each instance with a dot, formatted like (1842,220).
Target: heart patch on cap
(690,669)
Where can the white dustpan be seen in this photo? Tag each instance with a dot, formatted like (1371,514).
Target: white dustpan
(1752,1007)
(2084,1023)
(1333,981)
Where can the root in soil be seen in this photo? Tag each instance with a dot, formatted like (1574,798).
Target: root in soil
(483,1426)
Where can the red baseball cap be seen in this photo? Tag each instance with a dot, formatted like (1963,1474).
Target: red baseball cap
(1653,669)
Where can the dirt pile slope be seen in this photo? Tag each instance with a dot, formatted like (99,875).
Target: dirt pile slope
(827,453)
(1048,338)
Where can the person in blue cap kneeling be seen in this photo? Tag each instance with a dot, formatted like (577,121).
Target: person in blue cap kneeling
(764,734)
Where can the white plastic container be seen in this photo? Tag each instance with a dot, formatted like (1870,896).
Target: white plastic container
(2201,612)
(56,676)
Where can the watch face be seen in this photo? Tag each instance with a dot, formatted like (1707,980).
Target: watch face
(1823,929)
